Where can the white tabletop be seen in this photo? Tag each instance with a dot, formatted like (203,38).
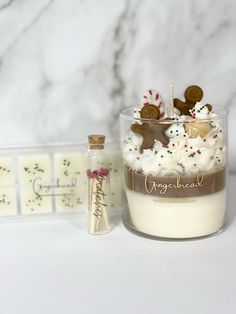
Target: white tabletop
(55,267)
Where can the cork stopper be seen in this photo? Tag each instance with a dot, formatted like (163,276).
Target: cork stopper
(96,141)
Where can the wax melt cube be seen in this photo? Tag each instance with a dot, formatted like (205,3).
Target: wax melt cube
(115,178)
(7,176)
(70,181)
(69,166)
(8,205)
(34,167)
(32,203)
(70,200)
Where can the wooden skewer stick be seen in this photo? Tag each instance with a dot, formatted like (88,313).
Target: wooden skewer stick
(171,107)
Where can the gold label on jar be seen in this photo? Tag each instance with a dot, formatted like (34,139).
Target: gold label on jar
(176,186)
(151,185)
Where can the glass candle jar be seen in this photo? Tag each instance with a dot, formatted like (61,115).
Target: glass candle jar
(177,189)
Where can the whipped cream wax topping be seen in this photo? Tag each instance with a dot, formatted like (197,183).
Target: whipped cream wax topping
(200,111)
(193,146)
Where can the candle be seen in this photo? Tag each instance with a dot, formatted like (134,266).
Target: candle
(174,169)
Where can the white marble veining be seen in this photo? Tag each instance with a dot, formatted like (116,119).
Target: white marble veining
(68,67)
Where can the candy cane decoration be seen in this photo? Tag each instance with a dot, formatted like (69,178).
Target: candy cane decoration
(152,97)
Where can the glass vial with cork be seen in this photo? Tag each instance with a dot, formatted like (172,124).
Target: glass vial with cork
(98,186)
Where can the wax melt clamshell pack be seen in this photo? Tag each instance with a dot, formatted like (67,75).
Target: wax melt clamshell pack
(50,180)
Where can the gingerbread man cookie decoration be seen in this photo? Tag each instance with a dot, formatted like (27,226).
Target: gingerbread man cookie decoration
(192,95)
(150,130)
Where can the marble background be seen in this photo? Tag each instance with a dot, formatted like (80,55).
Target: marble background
(68,67)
